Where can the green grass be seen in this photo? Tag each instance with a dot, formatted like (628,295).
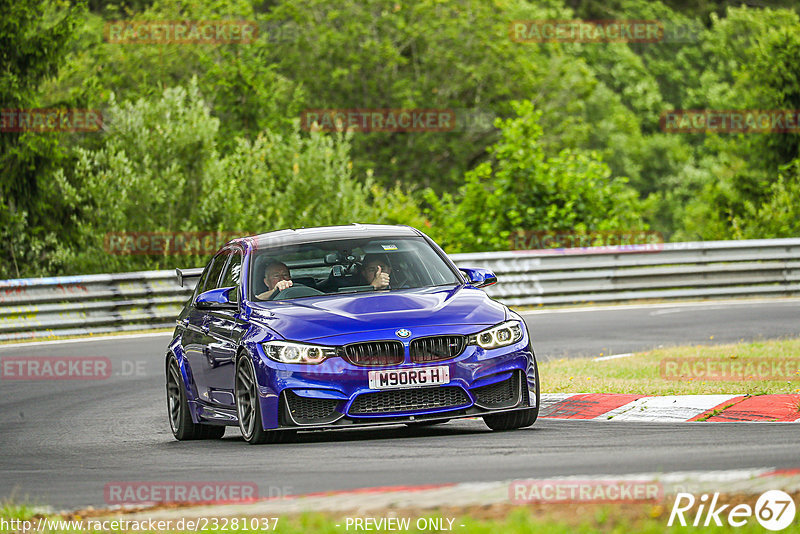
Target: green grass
(11,511)
(642,374)
(643,518)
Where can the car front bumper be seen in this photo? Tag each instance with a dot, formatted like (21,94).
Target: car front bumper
(336,393)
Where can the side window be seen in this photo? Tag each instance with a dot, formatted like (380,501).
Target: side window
(233,273)
(201,282)
(215,271)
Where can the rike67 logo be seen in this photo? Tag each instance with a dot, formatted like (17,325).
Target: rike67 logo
(774,510)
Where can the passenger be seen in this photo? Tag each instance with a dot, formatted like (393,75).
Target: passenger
(376,271)
(276,278)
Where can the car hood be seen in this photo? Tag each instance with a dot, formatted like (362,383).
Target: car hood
(310,318)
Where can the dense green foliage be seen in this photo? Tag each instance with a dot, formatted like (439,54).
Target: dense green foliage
(560,136)
(522,187)
(32,46)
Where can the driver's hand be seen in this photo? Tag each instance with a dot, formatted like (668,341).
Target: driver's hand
(381,280)
(283,284)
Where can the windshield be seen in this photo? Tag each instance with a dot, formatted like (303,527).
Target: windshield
(347,266)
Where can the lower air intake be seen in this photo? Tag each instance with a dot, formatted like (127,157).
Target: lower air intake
(505,394)
(409,400)
(307,411)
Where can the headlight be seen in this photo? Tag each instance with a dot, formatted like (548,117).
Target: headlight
(290,352)
(497,336)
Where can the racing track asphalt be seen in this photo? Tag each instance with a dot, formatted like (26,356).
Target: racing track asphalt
(63,441)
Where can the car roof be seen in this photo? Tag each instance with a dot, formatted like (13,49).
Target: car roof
(296,236)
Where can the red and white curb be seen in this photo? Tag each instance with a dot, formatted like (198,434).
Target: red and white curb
(673,408)
(363,501)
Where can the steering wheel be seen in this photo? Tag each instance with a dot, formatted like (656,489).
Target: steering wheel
(295,291)
(399,280)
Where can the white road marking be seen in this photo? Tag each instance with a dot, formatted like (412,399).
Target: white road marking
(84,339)
(684,309)
(548,399)
(669,409)
(613,357)
(665,305)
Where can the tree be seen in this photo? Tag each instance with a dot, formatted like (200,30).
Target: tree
(161,170)
(239,82)
(33,40)
(523,189)
(756,68)
(457,55)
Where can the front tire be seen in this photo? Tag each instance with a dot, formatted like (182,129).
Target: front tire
(511,420)
(517,418)
(180,418)
(248,407)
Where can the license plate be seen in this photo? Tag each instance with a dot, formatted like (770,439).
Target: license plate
(404,378)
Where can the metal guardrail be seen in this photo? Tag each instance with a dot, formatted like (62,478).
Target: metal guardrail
(44,307)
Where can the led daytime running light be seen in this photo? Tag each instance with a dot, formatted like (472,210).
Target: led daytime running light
(500,335)
(302,353)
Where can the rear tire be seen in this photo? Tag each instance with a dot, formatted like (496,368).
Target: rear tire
(180,418)
(248,408)
(517,418)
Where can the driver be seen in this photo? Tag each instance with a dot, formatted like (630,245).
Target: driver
(376,271)
(276,278)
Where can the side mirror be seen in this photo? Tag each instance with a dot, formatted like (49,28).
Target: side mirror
(218,299)
(480,277)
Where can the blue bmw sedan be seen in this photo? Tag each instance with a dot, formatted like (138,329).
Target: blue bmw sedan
(344,327)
